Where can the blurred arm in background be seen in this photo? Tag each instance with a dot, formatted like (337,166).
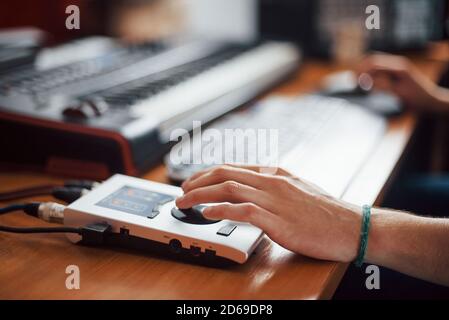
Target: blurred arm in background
(145,20)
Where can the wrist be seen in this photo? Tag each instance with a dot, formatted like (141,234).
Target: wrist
(351,222)
(379,237)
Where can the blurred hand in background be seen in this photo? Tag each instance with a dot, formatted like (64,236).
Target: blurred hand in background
(398,75)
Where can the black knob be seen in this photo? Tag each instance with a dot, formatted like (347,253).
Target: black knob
(192,215)
(93,107)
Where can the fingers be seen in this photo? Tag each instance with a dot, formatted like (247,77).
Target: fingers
(197,174)
(256,169)
(384,77)
(229,191)
(384,82)
(268,187)
(386,71)
(222,174)
(264,170)
(384,63)
(245,212)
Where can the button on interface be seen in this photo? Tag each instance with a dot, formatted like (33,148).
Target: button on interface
(136,201)
(226,230)
(193,215)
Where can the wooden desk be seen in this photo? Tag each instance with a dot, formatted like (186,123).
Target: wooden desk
(33,266)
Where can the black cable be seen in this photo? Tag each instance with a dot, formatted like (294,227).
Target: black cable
(33,210)
(30,209)
(14,207)
(26,193)
(93,234)
(41,230)
(48,211)
(43,190)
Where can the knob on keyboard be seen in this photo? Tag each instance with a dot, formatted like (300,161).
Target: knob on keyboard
(90,108)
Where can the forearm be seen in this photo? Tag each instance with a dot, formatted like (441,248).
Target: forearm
(413,245)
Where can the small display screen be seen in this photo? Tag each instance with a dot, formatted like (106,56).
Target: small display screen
(135,201)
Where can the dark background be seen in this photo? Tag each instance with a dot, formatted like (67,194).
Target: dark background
(290,19)
(50,16)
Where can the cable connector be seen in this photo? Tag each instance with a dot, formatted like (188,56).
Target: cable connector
(47,211)
(92,234)
(69,194)
(52,212)
(82,184)
(95,234)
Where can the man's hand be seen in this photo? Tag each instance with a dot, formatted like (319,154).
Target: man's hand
(304,219)
(399,76)
(293,213)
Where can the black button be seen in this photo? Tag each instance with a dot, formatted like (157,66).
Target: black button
(226,230)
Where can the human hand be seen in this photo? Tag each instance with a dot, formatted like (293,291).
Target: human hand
(295,214)
(398,75)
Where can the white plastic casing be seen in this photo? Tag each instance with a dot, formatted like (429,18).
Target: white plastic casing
(164,227)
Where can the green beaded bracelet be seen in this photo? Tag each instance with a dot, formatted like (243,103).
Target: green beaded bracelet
(364,235)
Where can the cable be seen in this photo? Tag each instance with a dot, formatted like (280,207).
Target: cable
(41,230)
(92,234)
(66,194)
(47,211)
(43,190)
(27,192)
(14,207)
(41,210)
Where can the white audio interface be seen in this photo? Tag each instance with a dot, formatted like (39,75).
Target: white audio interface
(143,214)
